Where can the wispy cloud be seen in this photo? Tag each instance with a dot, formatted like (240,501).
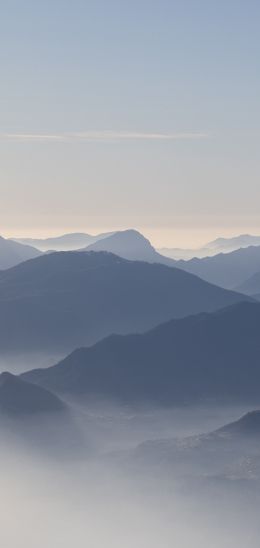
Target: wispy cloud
(104,136)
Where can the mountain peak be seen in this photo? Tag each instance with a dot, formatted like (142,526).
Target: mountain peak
(132,245)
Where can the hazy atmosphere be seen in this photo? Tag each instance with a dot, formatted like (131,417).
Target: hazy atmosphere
(130,114)
(129,274)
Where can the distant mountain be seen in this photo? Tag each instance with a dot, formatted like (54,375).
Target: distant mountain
(19,398)
(178,254)
(66,242)
(228,270)
(64,300)
(13,253)
(131,245)
(231,244)
(220,245)
(199,358)
(136,243)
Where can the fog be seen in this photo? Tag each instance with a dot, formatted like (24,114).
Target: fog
(60,507)
(105,497)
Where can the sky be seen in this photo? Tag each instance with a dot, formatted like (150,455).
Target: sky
(118,114)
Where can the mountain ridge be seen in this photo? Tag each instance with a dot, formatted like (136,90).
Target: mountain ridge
(131,245)
(65,242)
(64,300)
(13,253)
(228,270)
(214,247)
(190,359)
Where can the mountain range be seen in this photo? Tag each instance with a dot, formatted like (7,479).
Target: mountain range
(228,270)
(65,242)
(131,245)
(220,245)
(60,301)
(13,253)
(78,240)
(202,358)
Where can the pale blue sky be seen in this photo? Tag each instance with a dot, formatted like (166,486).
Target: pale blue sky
(118,113)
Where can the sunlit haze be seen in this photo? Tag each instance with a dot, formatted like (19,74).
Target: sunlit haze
(128,114)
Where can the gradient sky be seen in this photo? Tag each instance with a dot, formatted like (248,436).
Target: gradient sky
(120,114)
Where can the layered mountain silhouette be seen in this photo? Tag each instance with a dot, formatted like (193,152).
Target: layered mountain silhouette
(13,253)
(199,358)
(20,398)
(228,270)
(220,245)
(65,242)
(131,245)
(231,244)
(68,299)
(78,240)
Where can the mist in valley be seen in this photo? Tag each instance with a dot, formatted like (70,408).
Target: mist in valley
(129,274)
(98,492)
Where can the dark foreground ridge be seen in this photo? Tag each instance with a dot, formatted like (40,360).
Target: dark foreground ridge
(199,358)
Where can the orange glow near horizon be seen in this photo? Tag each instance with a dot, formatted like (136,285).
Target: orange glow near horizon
(172,237)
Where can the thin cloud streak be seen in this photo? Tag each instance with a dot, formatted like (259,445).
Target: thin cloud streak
(104,136)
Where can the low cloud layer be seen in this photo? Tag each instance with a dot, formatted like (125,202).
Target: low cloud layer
(100,136)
